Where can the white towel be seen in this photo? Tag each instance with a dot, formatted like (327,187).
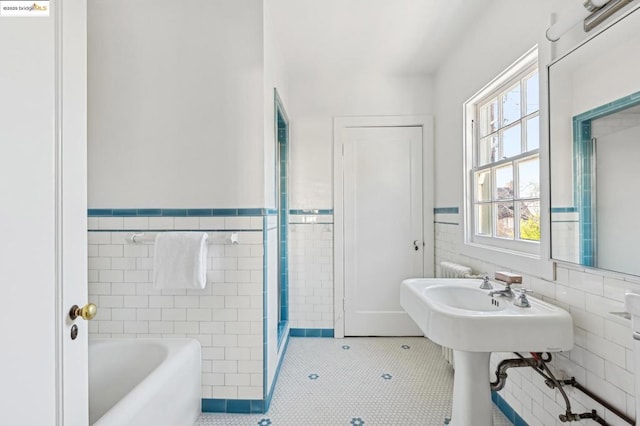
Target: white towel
(180,260)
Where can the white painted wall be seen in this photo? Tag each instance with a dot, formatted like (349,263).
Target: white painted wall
(176,104)
(275,77)
(314,99)
(601,358)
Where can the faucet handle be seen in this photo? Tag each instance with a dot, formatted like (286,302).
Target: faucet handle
(486,284)
(521,299)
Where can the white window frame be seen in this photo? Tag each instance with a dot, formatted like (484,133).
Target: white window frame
(522,256)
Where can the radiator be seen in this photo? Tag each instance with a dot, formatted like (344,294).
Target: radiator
(453,270)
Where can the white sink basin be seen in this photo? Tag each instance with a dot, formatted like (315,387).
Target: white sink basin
(457,314)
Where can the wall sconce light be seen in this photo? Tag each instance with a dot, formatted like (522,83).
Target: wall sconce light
(593,12)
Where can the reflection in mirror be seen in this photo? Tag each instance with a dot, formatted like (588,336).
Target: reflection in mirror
(594,124)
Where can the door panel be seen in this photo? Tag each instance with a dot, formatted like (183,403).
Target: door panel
(382,220)
(43,210)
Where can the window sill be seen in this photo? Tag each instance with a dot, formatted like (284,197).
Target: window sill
(529,264)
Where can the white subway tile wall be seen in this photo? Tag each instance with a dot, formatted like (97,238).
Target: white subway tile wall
(601,359)
(565,229)
(226,317)
(311,271)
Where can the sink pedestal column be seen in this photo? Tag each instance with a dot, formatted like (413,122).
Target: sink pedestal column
(472,404)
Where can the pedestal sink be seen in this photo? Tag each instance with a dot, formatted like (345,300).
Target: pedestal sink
(457,314)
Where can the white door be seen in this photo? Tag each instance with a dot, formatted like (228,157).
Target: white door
(43,216)
(383,220)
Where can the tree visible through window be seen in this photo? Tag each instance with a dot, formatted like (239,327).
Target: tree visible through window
(505,171)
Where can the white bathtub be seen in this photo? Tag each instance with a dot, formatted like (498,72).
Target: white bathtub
(144,382)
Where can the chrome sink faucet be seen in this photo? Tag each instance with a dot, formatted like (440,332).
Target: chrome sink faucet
(506,292)
(508,278)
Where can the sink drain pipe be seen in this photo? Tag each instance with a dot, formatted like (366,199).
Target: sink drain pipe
(538,362)
(501,370)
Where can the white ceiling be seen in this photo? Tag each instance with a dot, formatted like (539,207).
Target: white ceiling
(396,36)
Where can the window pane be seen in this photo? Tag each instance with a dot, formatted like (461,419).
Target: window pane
(533,133)
(483,186)
(511,102)
(511,144)
(532,94)
(489,117)
(504,183)
(504,220)
(483,219)
(529,178)
(488,150)
(530,220)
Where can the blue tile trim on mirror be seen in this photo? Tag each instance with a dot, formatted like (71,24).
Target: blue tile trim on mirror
(199,212)
(446,210)
(506,409)
(311,332)
(584,174)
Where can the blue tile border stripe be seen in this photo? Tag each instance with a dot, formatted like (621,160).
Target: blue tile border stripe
(311,211)
(564,209)
(180,212)
(506,409)
(199,212)
(446,210)
(311,332)
(203,212)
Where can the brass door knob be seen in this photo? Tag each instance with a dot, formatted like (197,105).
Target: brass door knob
(87,312)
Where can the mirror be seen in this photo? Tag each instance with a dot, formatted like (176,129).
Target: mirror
(594,137)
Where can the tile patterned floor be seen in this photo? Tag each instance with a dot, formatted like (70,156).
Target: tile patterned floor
(361,381)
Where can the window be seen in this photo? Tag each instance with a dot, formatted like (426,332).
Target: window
(502,160)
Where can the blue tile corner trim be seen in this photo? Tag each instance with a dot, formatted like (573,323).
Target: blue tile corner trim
(311,332)
(506,409)
(267,401)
